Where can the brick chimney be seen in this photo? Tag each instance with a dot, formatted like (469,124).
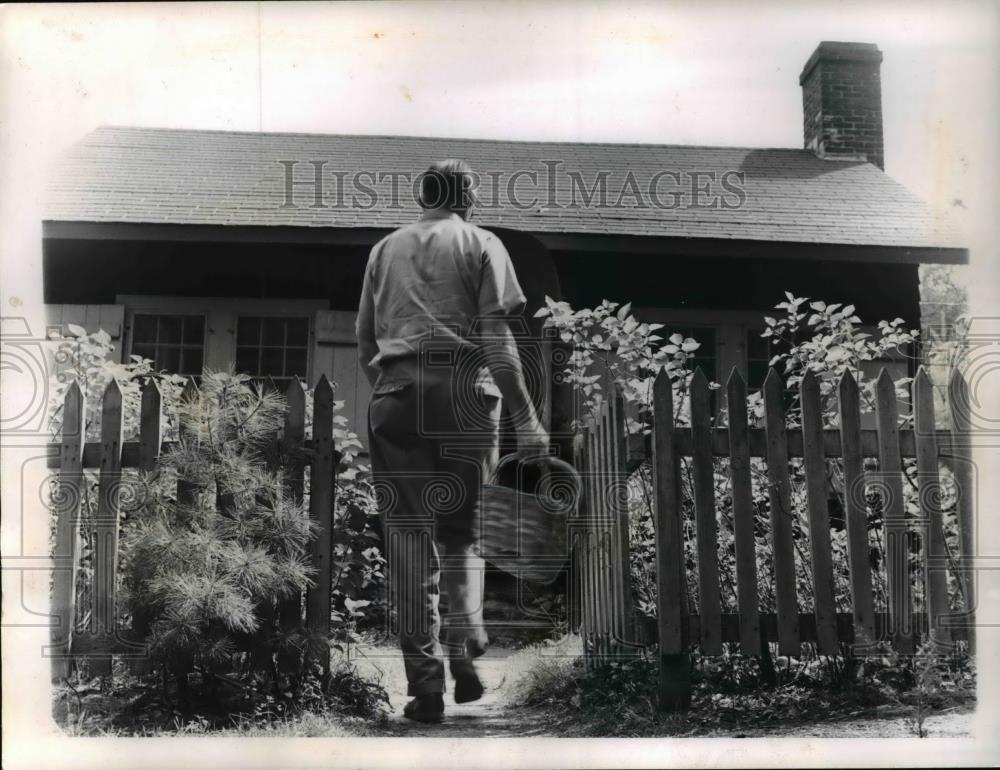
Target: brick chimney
(842,102)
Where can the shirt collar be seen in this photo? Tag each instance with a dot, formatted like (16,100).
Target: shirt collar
(440,213)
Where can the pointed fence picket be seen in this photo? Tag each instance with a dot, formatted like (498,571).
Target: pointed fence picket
(743,525)
(961,464)
(606,618)
(321,500)
(894,520)
(849,411)
(150,444)
(293,436)
(928,492)
(66,505)
(779,492)
(102,637)
(671,582)
(819,515)
(705,524)
(103,620)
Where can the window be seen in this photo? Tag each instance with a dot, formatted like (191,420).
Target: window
(273,347)
(176,343)
(759,354)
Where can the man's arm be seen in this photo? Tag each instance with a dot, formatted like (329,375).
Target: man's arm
(367,343)
(500,296)
(504,363)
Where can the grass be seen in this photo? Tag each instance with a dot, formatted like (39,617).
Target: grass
(348,704)
(545,689)
(305,725)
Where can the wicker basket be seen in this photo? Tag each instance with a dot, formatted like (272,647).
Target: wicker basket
(525,534)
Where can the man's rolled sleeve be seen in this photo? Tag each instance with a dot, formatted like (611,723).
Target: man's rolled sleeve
(365,328)
(499,292)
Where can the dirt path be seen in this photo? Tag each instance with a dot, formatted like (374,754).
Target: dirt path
(490,716)
(948,725)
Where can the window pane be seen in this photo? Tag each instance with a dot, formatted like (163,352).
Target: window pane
(759,354)
(274,331)
(756,373)
(170,329)
(295,362)
(144,350)
(298,332)
(271,362)
(248,331)
(247,360)
(194,330)
(704,356)
(144,328)
(175,343)
(757,346)
(169,359)
(192,361)
(278,347)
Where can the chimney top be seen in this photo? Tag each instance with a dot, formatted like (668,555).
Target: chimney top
(831,50)
(842,102)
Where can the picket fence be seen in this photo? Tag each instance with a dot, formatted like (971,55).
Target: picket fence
(601,593)
(602,599)
(101,636)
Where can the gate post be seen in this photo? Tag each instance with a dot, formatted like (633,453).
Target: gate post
(675,672)
(66,501)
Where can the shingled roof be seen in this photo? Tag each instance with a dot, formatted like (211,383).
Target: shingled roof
(146,175)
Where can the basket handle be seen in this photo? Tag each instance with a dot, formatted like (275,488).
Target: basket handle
(540,460)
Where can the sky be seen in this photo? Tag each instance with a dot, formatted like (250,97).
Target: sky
(709,73)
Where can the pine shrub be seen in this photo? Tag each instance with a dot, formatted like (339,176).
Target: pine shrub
(207,568)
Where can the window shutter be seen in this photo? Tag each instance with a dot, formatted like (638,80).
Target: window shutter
(336,356)
(110,318)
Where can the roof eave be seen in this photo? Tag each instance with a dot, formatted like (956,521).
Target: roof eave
(757,249)
(568,241)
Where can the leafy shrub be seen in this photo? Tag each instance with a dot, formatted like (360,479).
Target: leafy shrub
(85,358)
(611,347)
(359,587)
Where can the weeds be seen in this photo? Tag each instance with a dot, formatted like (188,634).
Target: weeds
(733,696)
(942,677)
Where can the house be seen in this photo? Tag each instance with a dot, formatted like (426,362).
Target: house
(208,248)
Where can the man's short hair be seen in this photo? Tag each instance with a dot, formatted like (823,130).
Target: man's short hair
(448,184)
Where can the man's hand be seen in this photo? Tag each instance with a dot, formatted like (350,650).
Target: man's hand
(532,440)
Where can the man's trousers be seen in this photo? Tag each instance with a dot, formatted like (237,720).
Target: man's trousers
(432,444)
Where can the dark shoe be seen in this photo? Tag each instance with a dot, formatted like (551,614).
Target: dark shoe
(468,686)
(427,708)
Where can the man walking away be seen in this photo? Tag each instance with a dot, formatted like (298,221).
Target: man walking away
(433,339)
